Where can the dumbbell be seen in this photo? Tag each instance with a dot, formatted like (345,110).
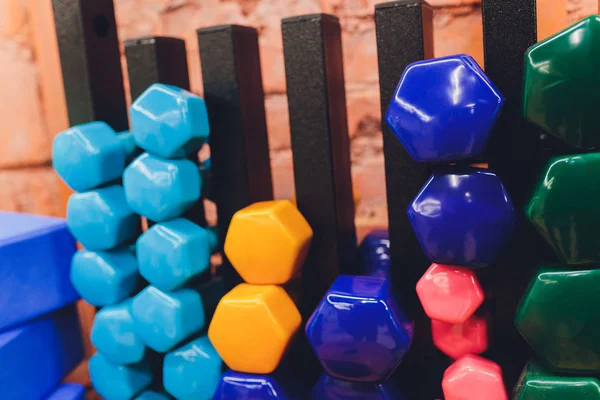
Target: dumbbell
(255,323)
(91,155)
(192,371)
(172,253)
(345,330)
(119,382)
(375,254)
(165,319)
(329,388)
(241,386)
(473,377)
(105,277)
(152,395)
(68,391)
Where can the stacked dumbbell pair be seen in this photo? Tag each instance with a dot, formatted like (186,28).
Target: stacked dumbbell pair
(442,112)
(254,324)
(172,256)
(558,314)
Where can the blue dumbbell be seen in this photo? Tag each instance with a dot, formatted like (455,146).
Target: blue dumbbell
(91,155)
(164,319)
(152,395)
(68,391)
(119,382)
(36,256)
(242,386)
(101,219)
(105,277)
(192,371)
(36,356)
(329,388)
(114,337)
(375,254)
(172,253)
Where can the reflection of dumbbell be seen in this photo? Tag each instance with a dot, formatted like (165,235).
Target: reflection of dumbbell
(119,382)
(237,385)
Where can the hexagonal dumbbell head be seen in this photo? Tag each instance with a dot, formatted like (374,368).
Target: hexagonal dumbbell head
(173,252)
(267,242)
(193,370)
(557,317)
(114,336)
(118,382)
(473,377)
(330,388)
(358,306)
(101,219)
(253,326)
(457,340)
(561,90)
(237,385)
(168,121)
(538,382)
(375,254)
(443,109)
(161,189)
(104,277)
(463,217)
(90,155)
(152,395)
(449,294)
(564,208)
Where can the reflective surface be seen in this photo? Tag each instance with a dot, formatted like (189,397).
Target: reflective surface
(443,109)
(449,294)
(558,316)
(357,331)
(375,254)
(329,388)
(539,383)
(161,189)
(473,377)
(253,326)
(114,337)
(193,370)
(168,121)
(240,386)
(463,217)
(564,208)
(562,85)
(457,340)
(118,382)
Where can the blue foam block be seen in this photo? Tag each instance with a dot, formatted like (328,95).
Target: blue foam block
(68,391)
(35,254)
(37,356)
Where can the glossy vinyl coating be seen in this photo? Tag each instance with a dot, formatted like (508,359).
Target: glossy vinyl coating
(118,382)
(330,388)
(253,326)
(161,189)
(540,383)
(192,371)
(444,108)
(34,283)
(169,121)
(101,219)
(357,331)
(267,242)
(89,155)
(105,277)
(564,208)
(449,294)
(375,254)
(162,320)
(457,340)
(37,355)
(473,378)
(152,395)
(68,391)
(462,217)
(562,86)
(558,316)
(114,337)
(173,252)
(241,386)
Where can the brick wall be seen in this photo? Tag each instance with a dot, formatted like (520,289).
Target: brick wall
(32,110)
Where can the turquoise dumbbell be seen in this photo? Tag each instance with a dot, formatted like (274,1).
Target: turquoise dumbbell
(164,319)
(172,253)
(114,337)
(101,219)
(118,382)
(152,395)
(193,370)
(90,155)
(105,277)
